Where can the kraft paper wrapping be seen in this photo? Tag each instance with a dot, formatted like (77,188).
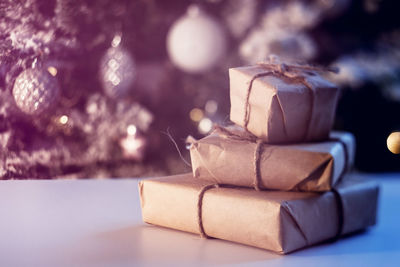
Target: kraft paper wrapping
(298,167)
(274,220)
(282,110)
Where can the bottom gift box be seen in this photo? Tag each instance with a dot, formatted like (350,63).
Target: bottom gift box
(274,220)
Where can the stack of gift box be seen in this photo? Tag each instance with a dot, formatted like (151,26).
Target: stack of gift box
(277,179)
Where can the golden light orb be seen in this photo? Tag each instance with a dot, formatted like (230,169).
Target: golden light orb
(393,142)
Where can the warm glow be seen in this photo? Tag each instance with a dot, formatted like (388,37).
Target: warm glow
(211,107)
(393,142)
(63,119)
(205,126)
(131,129)
(132,144)
(52,71)
(116,41)
(196,114)
(133,147)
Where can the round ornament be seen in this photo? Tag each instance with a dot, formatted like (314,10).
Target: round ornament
(35,91)
(196,42)
(393,142)
(117,70)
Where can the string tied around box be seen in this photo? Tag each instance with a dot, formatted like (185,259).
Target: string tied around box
(204,189)
(292,72)
(239,136)
(245,136)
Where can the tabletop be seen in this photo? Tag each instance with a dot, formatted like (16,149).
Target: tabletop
(98,223)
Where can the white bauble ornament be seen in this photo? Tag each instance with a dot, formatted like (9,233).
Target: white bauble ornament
(35,91)
(117,70)
(196,42)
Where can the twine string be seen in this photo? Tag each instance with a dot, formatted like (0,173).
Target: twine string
(204,189)
(246,117)
(246,136)
(257,169)
(200,208)
(293,72)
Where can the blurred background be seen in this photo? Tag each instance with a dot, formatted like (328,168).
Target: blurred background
(96,89)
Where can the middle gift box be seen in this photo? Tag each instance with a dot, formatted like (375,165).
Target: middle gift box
(227,157)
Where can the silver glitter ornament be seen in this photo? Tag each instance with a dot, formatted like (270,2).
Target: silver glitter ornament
(117,70)
(35,91)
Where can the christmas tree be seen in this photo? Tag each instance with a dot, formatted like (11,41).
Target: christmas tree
(99,88)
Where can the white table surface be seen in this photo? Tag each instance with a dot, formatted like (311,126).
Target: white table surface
(98,223)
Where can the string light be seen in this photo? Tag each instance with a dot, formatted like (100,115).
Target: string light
(132,145)
(131,129)
(52,71)
(63,119)
(116,40)
(205,126)
(196,114)
(211,107)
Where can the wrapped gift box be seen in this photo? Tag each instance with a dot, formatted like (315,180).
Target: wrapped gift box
(282,108)
(297,167)
(274,220)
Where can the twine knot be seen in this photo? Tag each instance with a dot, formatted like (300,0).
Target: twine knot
(283,68)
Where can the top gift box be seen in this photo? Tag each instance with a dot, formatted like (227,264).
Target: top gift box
(282,103)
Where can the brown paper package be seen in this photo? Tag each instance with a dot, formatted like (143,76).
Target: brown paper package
(274,220)
(301,167)
(281,110)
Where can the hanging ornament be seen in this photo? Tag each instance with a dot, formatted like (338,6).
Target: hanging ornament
(393,142)
(35,90)
(196,42)
(117,70)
